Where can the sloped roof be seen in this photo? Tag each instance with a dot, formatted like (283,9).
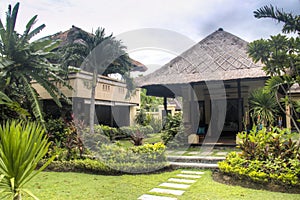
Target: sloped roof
(220,56)
(73,35)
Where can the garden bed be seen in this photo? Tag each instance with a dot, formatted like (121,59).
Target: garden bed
(248,183)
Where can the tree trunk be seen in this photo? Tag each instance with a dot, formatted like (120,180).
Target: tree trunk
(92,105)
(18,197)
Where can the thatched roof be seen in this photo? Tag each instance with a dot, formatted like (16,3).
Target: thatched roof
(220,56)
(74,36)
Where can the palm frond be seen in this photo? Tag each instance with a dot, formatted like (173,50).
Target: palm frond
(291,22)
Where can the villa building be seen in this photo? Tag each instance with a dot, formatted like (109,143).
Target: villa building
(215,78)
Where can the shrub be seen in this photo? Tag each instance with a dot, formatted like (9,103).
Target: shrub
(156,124)
(268,145)
(86,166)
(136,133)
(146,130)
(173,133)
(137,138)
(65,136)
(267,156)
(22,146)
(56,130)
(107,131)
(141,118)
(137,159)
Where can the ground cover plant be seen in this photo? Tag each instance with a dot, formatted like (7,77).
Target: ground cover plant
(270,157)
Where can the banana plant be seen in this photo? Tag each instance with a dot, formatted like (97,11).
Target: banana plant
(23,62)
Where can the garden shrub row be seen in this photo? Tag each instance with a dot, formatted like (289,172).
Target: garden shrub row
(267,157)
(137,159)
(114,159)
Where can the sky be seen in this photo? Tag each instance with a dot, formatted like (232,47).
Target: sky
(192,19)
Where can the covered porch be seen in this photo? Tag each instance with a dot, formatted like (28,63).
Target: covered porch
(214,79)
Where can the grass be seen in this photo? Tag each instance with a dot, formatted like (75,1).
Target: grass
(64,186)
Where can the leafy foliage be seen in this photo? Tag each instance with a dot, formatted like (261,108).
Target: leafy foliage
(150,103)
(291,21)
(280,55)
(173,133)
(263,105)
(22,146)
(23,62)
(137,159)
(66,139)
(267,156)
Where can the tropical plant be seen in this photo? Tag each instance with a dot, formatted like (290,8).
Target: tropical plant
(173,133)
(291,21)
(150,103)
(98,54)
(280,55)
(12,106)
(263,105)
(23,62)
(22,146)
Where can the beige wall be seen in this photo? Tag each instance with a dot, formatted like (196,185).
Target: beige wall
(107,89)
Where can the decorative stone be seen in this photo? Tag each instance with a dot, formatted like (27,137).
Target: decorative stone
(180,180)
(188,176)
(175,185)
(193,153)
(221,153)
(191,172)
(168,191)
(154,197)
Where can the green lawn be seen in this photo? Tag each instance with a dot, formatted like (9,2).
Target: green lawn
(54,185)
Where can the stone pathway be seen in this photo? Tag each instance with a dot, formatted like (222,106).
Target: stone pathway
(175,186)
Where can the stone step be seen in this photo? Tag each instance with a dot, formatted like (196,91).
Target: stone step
(167,191)
(194,165)
(196,159)
(181,180)
(188,176)
(154,197)
(175,185)
(192,172)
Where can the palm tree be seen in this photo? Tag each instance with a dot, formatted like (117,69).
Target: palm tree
(263,105)
(98,54)
(291,22)
(22,62)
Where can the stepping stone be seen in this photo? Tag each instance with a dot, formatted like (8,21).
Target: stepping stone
(195,165)
(191,172)
(193,153)
(180,180)
(221,153)
(206,153)
(154,197)
(179,152)
(175,185)
(167,191)
(188,176)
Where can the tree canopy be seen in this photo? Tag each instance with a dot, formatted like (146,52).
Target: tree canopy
(23,62)
(280,55)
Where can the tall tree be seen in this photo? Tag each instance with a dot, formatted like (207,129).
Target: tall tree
(279,54)
(23,62)
(100,55)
